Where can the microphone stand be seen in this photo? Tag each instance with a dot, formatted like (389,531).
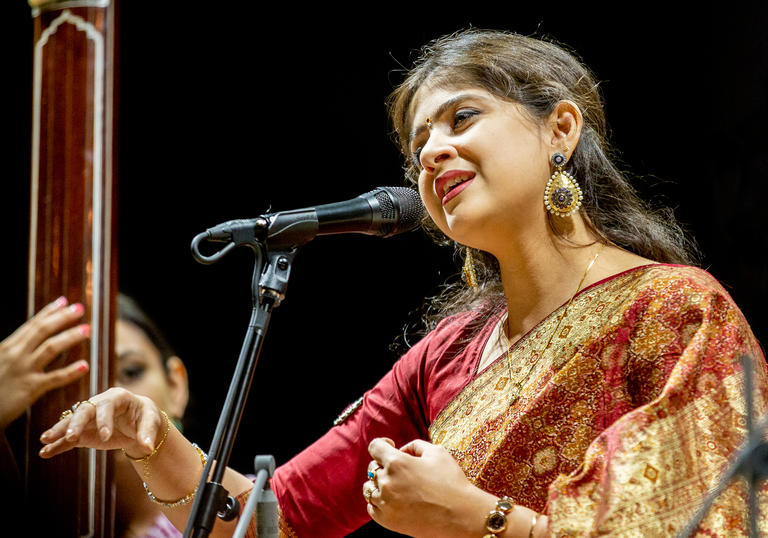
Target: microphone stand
(751,462)
(270,280)
(262,501)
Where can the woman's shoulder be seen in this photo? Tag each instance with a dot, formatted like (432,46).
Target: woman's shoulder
(459,333)
(665,276)
(672,289)
(469,323)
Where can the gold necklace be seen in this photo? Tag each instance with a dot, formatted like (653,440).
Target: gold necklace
(505,332)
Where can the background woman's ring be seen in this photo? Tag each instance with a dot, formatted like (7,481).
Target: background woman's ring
(65,414)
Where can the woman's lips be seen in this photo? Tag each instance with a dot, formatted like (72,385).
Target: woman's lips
(452,181)
(455,191)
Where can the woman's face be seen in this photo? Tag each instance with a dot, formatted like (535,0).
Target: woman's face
(483,164)
(140,370)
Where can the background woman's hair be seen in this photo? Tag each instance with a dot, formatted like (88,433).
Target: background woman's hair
(129,310)
(537,74)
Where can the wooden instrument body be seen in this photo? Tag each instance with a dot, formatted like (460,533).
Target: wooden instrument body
(72,246)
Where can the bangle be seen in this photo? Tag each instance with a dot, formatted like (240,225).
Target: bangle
(533,524)
(496,521)
(145,459)
(186,498)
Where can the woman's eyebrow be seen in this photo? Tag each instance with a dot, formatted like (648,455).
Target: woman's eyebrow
(439,111)
(128,353)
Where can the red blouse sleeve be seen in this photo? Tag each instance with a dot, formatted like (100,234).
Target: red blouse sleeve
(320,490)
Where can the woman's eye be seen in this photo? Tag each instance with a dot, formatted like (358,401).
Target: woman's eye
(463,115)
(416,157)
(130,372)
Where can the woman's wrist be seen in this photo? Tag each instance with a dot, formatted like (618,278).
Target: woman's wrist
(144,458)
(518,521)
(173,469)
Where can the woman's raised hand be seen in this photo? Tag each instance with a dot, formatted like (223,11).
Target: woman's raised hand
(420,490)
(116,418)
(25,354)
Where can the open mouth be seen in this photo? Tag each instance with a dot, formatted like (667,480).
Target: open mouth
(448,187)
(452,183)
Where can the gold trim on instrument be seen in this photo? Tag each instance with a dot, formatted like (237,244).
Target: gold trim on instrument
(38,6)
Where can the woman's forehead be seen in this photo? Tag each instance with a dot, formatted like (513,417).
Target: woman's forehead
(131,337)
(430,99)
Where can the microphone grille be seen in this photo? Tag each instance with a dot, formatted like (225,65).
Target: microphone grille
(408,202)
(387,207)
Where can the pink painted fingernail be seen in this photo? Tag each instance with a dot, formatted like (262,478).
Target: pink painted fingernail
(77,308)
(60,302)
(82,366)
(85,329)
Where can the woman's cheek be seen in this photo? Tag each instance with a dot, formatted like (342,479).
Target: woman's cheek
(431,203)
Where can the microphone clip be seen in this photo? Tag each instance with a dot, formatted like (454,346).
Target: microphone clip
(248,232)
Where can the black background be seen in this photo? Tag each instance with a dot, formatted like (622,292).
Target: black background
(227,111)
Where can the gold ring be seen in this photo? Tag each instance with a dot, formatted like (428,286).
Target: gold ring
(89,402)
(368,493)
(65,414)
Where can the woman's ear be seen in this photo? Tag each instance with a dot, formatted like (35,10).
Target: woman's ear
(178,385)
(564,126)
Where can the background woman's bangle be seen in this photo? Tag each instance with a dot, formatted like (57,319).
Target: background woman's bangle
(145,459)
(186,498)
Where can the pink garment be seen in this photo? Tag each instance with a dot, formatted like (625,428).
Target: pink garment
(162,528)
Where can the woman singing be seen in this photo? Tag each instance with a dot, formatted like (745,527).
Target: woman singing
(586,380)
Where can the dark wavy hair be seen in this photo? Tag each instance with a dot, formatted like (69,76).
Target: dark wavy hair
(537,74)
(129,310)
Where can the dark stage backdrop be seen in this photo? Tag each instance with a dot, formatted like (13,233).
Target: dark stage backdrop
(227,111)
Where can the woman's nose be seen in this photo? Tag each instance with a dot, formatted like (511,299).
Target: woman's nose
(437,149)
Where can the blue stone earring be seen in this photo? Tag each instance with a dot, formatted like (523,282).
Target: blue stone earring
(562,195)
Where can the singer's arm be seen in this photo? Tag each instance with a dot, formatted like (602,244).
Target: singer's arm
(121,419)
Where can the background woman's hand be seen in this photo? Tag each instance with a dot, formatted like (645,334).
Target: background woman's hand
(116,418)
(420,490)
(25,354)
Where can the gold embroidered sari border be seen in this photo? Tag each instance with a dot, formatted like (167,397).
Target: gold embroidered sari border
(493,374)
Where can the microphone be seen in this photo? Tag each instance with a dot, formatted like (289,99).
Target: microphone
(383,212)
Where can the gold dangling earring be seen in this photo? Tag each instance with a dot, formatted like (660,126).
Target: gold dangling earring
(562,195)
(470,277)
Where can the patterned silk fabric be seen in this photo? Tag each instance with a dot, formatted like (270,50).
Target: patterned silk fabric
(617,416)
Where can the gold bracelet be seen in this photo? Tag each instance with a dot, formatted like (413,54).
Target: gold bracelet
(533,525)
(145,459)
(186,498)
(496,522)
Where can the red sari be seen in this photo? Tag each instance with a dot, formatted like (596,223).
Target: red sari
(613,417)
